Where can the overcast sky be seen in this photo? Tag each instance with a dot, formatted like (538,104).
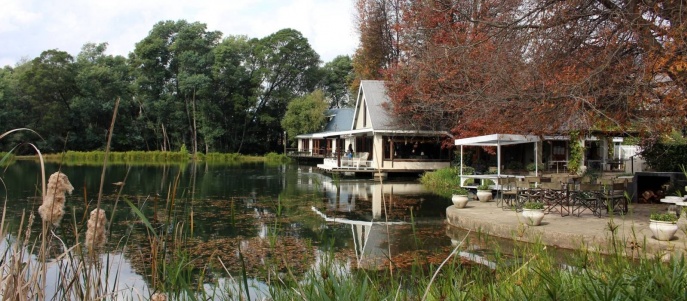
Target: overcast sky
(29,27)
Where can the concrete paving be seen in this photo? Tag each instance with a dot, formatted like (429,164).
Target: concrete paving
(572,232)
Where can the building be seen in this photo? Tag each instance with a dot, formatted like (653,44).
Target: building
(374,141)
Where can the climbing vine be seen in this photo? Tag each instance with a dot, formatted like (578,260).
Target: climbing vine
(576,151)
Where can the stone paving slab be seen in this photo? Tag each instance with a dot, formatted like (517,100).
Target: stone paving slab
(571,232)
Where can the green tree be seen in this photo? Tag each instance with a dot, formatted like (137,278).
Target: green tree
(174,67)
(235,94)
(336,80)
(305,114)
(10,109)
(286,67)
(45,88)
(101,79)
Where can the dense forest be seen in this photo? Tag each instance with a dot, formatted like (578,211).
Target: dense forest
(182,85)
(474,67)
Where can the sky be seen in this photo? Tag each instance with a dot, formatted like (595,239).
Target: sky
(29,27)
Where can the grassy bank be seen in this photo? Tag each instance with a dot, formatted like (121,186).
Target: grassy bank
(158,157)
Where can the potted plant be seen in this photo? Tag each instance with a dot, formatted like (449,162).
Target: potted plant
(531,168)
(663,225)
(533,212)
(459,197)
(484,191)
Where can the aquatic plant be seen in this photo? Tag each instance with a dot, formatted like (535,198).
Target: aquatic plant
(52,209)
(95,233)
(441,180)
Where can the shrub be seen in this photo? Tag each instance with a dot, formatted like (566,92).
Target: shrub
(484,186)
(459,191)
(441,179)
(534,205)
(665,157)
(663,217)
(531,166)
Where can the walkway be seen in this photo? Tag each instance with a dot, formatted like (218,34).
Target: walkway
(571,232)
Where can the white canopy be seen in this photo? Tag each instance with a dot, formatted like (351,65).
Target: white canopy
(498,140)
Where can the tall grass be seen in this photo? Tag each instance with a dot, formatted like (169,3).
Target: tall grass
(156,157)
(97,157)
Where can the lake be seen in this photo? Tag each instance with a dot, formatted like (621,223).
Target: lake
(283,217)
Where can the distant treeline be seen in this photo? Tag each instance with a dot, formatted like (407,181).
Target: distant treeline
(182,85)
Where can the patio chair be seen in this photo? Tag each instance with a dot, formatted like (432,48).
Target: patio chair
(360,159)
(507,193)
(585,198)
(555,198)
(524,193)
(613,198)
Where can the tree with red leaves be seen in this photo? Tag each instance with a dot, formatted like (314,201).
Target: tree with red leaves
(541,67)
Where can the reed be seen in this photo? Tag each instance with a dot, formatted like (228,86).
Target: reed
(96,158)
(441,180)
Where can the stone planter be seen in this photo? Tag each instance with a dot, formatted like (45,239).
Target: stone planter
(533,217)
(459,200)
(663,230)
(484,195)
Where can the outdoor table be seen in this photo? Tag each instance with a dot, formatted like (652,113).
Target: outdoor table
(493,177)
(672,200)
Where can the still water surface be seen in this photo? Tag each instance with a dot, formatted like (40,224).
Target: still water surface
(244,206)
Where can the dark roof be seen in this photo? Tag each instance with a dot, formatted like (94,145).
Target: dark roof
(342,119)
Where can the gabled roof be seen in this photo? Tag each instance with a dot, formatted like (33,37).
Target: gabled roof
(375,94)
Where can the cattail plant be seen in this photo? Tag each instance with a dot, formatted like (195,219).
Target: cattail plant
(158,297)
(95,234)
(52,209)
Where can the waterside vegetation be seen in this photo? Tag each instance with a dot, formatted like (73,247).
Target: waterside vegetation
(179,269)
(441,181)
(179,266)
(157,157)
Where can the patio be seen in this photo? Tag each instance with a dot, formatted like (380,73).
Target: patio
(587,231)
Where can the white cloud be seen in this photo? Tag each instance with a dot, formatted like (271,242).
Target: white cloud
(28,27)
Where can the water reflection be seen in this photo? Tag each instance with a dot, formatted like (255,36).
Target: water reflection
(379,215)
(259,209)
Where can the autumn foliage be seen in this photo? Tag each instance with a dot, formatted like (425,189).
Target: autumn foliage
(541,67)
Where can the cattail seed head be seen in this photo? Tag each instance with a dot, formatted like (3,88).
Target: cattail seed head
(95,234)
(52,208)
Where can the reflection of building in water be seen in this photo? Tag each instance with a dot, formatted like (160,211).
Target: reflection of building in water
(377,214)
(370,239)
(367,199)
